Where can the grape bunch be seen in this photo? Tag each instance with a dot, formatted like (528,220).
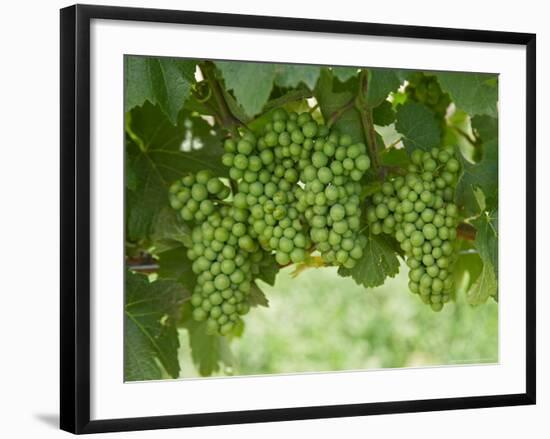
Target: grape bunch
(330,198)
(224,256)
(267,182)
(426,90)
(294,189)
(418,210)
(299,182)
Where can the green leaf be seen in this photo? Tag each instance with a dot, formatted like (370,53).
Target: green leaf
(484,174)
(174,264)
(383,114)
(140,362)
(467,267)
(475,93)
(149,332)
(234,108)
(157,154)
(291,75)
(251,83)
(419,127)
(484,287)
(487,238)
(485,127)
(394,157)
(168,232)
(344,73)
(380,83)
(331,102)
(379,261)
(209,352)
(480,198)
(257,297)
(268,269)
(163,81)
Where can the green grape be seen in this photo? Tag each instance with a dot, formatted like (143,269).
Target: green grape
(423,219)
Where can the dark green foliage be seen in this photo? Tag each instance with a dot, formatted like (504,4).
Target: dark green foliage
(150,336)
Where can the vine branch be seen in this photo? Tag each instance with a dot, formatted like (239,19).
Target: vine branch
(226,118)
(367,119)
(296,95)
(338,113)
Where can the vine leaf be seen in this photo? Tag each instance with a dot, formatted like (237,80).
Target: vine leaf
(208,351)
(168,232)
(483,174)
(257,297)
(175,265)
(332,102)
(475,93)
(251,83)
(268,269)
(234,107)
(484,287)
(140,362)
(291,75)
(467,267)
(170,239)
(163,81)
(394,157)
(381,82)
(157,154)
(418,125)
(379,261)
(149,329)
(486,243)
(383,114)
(487,237)
(343,73)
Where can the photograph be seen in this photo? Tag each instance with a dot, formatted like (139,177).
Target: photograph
(292,218)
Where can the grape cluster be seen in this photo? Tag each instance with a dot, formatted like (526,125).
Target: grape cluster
(330,198)
(300,184)
(265,169)
(418,210)
(224,256)
(426,90)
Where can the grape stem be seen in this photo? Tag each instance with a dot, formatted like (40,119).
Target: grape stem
(331,120)
(367,120)
(308,251)
(135,138)
(224,116)
(296,95)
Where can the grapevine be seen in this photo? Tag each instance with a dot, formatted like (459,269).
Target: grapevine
(236,170)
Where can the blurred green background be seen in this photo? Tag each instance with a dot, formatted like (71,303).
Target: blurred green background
(320,321)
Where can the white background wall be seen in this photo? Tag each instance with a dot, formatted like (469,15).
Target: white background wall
(29,184)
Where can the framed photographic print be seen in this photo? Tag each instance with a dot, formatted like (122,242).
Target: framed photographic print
(269,218)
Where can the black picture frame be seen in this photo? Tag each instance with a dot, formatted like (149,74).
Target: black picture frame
(75,217)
